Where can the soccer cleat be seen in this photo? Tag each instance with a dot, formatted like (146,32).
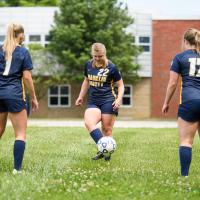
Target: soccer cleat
(16,171)
(107,157)
(98,156)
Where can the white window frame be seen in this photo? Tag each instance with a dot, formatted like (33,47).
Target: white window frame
(46,42)
(43,42)
(38,42)
(128,95)
(60,95)
(140,44)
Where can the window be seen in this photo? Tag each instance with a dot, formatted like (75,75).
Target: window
(34,38)
(47,38)
(59,96)
(127,98)
(144,42)
(145,48)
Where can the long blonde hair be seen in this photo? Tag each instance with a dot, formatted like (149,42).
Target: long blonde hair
(197,39)
(10,42)
(192,35)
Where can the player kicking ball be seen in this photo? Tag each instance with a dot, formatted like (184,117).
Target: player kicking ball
(101,75)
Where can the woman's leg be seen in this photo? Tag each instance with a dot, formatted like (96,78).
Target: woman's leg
(199,129)
(107,121)
(19,122)
(187,132)
(92,117)
(3,120)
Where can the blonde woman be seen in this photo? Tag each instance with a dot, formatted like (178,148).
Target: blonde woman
(103,104)
(15,71)
(187,65)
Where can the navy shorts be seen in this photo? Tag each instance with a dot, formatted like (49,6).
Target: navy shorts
(12,105)
(190,110)
(106,108)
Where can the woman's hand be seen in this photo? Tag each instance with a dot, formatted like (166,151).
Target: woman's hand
(116,104)
(34,104)
(79,101)
(165,108)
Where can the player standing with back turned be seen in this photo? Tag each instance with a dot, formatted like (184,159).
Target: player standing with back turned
(187,65)
(15,70)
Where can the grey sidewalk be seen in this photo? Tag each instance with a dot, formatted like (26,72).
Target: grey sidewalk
(118,123)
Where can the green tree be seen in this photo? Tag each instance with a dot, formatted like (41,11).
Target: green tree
(29,3)
(79,23)
(45,66)
(2,3)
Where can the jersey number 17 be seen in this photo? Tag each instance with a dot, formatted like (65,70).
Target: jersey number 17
(194,67)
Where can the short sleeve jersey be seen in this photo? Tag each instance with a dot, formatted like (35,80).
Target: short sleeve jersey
(101,82)
(187,64)
(11,84)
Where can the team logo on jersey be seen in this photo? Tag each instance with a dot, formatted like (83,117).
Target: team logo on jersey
(99,79)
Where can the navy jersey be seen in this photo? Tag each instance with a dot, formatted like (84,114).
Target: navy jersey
(101,82)
(11,84)
(187,64)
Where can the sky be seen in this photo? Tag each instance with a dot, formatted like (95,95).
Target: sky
(165,7)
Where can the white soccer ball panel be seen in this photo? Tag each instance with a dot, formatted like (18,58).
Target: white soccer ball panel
(106,144)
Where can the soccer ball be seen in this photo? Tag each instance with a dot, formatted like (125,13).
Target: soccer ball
(106,145)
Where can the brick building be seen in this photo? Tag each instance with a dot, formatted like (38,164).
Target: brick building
(167,36)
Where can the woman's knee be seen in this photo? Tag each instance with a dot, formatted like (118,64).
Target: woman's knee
(90,126)
(107,130)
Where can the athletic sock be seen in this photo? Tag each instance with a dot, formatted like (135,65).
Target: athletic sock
(185,154)
(96,134)
(18,152)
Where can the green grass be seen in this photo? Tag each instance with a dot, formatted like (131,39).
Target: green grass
(57,165)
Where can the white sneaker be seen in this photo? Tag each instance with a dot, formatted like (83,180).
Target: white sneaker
(16,171)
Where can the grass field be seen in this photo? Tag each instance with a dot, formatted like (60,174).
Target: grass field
(57,165)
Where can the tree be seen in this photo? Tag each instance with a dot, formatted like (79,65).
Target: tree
(2,3)
(47,71)
(17,3)
(79,23)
